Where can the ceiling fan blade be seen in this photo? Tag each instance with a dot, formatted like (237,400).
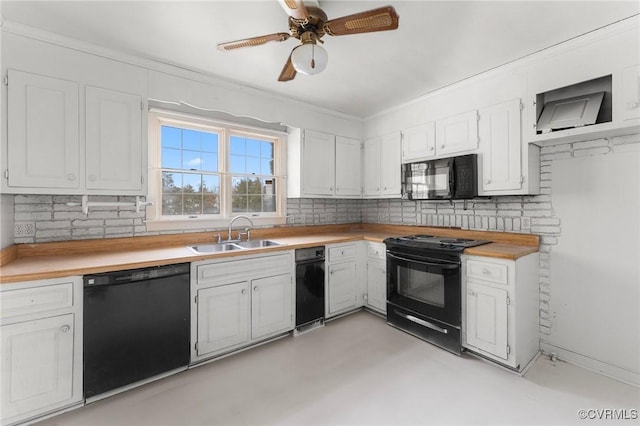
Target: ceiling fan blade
(288,72)
(381,19)
(294,8)
(253,41)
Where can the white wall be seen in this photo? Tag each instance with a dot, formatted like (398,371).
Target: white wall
(595,267)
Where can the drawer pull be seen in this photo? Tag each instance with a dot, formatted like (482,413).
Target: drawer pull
(485,271)
(65,328)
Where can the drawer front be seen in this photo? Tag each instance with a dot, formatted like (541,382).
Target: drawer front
(243,269)
(376,251)
(487,271)
(36,299)
(340,253)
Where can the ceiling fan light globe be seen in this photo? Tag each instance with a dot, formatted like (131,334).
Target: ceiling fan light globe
(309,58)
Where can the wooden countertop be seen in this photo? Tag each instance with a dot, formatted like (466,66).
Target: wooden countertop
(51,260)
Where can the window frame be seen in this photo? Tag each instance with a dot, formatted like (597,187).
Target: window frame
(155,221)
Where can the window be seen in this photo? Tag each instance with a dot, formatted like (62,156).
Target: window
(204,172)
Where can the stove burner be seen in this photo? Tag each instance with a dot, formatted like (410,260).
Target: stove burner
(432,241)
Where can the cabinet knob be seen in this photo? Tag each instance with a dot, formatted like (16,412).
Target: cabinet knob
(65,328)
(93,178)
(337,188)
(471,293)
(487,181)
(382,271)
(385,188)
(632,105)
(431,148)
(243,291)
(441,146)
(485,271)
(331,188)
(71,176)
(377,188)
(255,288)
(330,272)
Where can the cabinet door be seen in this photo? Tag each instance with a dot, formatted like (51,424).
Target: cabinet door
(456,134)
(37,365)
(348,171)
(271,305)
(487,319)
(43,147)
(390,164)
(631,93)
(342,287)
(113,140)
(500,146)
(318,163)
(223,317)
(377,285)
(371,164)
(419,142)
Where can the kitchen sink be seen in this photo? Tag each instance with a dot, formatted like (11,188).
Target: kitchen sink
(258,243)
(240,245)
(214,248)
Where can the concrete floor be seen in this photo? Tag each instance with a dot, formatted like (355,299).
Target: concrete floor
(358,370)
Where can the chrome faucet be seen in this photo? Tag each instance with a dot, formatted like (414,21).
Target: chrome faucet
(247,230)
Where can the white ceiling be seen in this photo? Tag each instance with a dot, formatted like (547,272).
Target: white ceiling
(437,43)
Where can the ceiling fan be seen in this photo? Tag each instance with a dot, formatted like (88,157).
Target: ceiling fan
(309,24)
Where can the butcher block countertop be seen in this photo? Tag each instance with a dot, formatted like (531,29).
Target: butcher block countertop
(26,262)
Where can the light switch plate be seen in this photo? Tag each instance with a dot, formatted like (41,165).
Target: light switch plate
(24,229)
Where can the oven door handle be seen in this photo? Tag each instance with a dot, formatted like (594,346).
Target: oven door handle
(422,262)
(422,322)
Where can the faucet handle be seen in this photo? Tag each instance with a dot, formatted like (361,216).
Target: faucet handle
(219,237)
(246,232)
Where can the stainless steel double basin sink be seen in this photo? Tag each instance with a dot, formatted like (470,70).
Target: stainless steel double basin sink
(230,246)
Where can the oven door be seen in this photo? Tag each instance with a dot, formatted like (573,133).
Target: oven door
(428,286)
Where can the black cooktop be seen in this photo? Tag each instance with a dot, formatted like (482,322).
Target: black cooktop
(434,242)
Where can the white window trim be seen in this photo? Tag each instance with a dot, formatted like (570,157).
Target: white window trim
(154,219)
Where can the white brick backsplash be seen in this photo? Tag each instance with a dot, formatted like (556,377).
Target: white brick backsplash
(60,224)
(564,147)
(555,156)
(591,144)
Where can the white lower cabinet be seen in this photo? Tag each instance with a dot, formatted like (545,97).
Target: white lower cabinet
(240,302)
(501,307)
(41,347)
(376,298)
(341,286)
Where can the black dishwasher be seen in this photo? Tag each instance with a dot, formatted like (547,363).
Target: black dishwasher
(136,326)
(309,286)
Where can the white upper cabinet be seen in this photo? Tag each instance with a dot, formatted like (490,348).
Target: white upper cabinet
(43,132)
(76,125)
(382,160)
(456,134)
(113,140)
(348,167)
(631,93)
(419,142)
(323,165)
(500,147)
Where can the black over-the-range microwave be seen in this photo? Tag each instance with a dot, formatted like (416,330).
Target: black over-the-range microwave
(452,178)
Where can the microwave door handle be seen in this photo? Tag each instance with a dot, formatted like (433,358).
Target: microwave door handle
(452,180)
(422,262)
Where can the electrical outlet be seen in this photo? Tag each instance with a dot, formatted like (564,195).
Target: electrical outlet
(24,229)
(525,223)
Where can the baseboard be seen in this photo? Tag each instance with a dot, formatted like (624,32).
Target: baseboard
(614,372)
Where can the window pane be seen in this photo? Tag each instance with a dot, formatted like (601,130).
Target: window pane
(191,160)
(191,182)
(191,139)
(239,185)
(255,203)
(209,162)
(171,182)
(171,204)
(239,203)
(253,147)
(266,167)
(192,203)
(209,142)
(211,184)
(210,204)
(266,149)
(171,137)
(237,164)
(253,165)
(171,158)
(238,145)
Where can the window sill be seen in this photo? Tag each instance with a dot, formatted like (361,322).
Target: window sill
(205,224)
